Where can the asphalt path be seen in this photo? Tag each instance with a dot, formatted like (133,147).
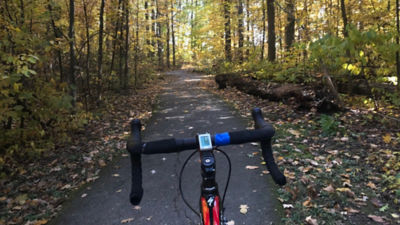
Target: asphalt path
(184,110)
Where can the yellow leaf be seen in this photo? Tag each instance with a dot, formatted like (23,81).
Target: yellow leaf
(40,222)
(387,138)
(371,185)
(307,203)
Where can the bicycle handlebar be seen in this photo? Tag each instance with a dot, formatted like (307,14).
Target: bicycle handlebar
(263,132)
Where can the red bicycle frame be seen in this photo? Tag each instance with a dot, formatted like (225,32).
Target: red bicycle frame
(210,201)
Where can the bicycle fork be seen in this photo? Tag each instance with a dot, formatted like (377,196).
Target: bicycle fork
(211,208)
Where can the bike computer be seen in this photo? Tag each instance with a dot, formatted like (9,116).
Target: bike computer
(205,143)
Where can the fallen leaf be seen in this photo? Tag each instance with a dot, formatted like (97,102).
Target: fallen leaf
(127,220)
(387,138)
(251,167)
(294,132)
(243,209)
(311,221)
(102,163)
(307,203)
(40,222)
(115,175)
(394,215)
(288,206)
(231,222)
(351,210)
(344,139)
(376,202)
(83,195)
(377,219)
(329,189)
(21,199)
(371,185)
(265,172)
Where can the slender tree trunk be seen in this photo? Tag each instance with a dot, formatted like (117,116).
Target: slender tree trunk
(147,21)
(126,56)
(192,38)
(115,37)
(240,30)
(290,26)
(248,28)
(167,57)
(263,30)
(271,30)
(87,66)
(344,18)
(57,35)
(100,51)
(154,30)
(228,54)
(159,42)
(121,47)
(137,46)
(173,34)
(71,34)
(397,42)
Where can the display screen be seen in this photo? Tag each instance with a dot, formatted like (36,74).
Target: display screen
(205,142)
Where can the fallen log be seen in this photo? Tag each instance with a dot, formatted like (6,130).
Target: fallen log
(302,97)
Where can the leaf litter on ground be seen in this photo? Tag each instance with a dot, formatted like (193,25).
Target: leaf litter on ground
(353,171)
(63,170)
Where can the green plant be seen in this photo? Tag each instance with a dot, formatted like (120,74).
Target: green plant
(330,125)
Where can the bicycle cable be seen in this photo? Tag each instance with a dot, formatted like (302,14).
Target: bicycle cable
(227,181)
(180,183)
(229,173)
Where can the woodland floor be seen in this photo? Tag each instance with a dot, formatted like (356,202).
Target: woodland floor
(36,192)
(337,174)
(333,178)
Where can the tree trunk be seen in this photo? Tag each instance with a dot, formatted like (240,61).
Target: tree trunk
(71,34)
(248,28)
(121,47)
(100,51)
(344,18)
(263,30)
(126,56)
(271,30)
(87,66)
(227,26)
(290,26)
(173,34)
(115,37)
(153,29)
(168,34)
(147,21)
(397,42)
(159,42)
(57,35)
(137,46)
(240,30)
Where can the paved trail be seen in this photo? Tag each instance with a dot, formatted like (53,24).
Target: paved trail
(184,110)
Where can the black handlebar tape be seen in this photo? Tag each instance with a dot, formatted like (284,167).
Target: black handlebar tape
(169,145)
(276,174)
(266,148)
(134,147)
(245,136)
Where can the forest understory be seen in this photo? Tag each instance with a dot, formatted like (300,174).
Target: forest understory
(342,168)
(36,190)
